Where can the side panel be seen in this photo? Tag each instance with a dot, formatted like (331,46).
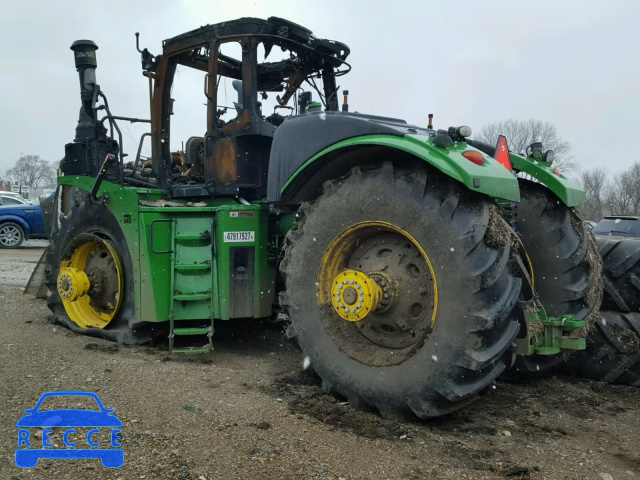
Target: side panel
(245,275)
(571,193)
(491,178)
(154,281)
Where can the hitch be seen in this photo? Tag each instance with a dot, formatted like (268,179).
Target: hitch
(550,335)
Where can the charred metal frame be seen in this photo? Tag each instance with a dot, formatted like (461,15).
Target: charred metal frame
(200,49)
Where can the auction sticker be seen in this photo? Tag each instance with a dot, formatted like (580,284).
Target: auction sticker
(239,236)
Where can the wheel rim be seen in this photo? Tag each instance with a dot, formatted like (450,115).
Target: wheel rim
(403,316)
(90,281)
(10,235)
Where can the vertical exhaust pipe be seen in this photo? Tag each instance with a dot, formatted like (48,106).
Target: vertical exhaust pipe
(84,52)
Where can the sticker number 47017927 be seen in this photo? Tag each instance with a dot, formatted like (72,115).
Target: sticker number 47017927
(239,236)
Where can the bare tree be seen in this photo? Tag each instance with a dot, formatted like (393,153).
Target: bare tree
(32,171)
(623,193)
(522,133)
(633,182)
(618,196)
(594,182)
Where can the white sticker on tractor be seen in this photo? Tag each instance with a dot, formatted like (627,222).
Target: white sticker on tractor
(240,214)
(239,236)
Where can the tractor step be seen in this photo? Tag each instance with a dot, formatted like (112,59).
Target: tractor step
(192,270)
(205,237)
(192,331)
(192,297)
(193,267)
(192,350)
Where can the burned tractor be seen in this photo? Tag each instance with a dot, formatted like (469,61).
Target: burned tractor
(413,266)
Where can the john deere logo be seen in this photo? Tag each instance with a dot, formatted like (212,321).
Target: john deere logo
(102,440)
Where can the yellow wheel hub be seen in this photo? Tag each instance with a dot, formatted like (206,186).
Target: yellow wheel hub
(354,295)
(72,284)
(377,277)
(90,282)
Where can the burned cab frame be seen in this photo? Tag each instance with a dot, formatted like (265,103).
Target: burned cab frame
(232,157)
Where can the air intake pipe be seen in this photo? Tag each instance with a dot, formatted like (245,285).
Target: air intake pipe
(84,52)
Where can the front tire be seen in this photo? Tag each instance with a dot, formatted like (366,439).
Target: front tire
(462,336)
(90,245)
(11,235)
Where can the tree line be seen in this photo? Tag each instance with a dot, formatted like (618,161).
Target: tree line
(32,171)
(617,194)
(611,195)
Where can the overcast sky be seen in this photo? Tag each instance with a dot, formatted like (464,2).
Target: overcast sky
(572,63)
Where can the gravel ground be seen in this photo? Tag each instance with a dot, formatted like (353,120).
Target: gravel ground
(248,411)
(17,264)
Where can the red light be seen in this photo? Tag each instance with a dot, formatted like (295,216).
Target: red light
(557,172)
(475,157)
(502,153)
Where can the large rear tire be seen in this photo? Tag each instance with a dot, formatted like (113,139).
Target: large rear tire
(567,270)
(448,331)
(613,350)
(621,260)
(90,246)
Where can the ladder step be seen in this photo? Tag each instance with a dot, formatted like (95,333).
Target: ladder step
(191,331)
(195,236)
(193,266)
(191,350)
(192,297)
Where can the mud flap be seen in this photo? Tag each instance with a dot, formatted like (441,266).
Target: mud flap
(36,285)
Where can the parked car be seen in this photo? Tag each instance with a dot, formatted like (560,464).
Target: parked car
(619,225)
(19,222)
(12,198)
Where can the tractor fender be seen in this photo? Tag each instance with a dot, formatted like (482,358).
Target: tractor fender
(568,191)
(16,219)
(491,178)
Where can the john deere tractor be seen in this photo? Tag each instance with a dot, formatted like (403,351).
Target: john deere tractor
(413,266)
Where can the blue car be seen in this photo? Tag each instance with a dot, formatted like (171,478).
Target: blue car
(69,418)
(19,222)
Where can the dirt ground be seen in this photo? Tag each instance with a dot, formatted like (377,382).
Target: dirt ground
(249,411)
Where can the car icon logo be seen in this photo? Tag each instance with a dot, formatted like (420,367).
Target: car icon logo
(69,419)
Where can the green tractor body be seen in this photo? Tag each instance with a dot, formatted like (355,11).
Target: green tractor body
(273,210)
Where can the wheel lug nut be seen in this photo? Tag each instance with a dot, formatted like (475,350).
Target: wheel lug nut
(359,305)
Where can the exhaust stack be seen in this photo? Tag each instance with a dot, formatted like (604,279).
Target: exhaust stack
(84,52)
